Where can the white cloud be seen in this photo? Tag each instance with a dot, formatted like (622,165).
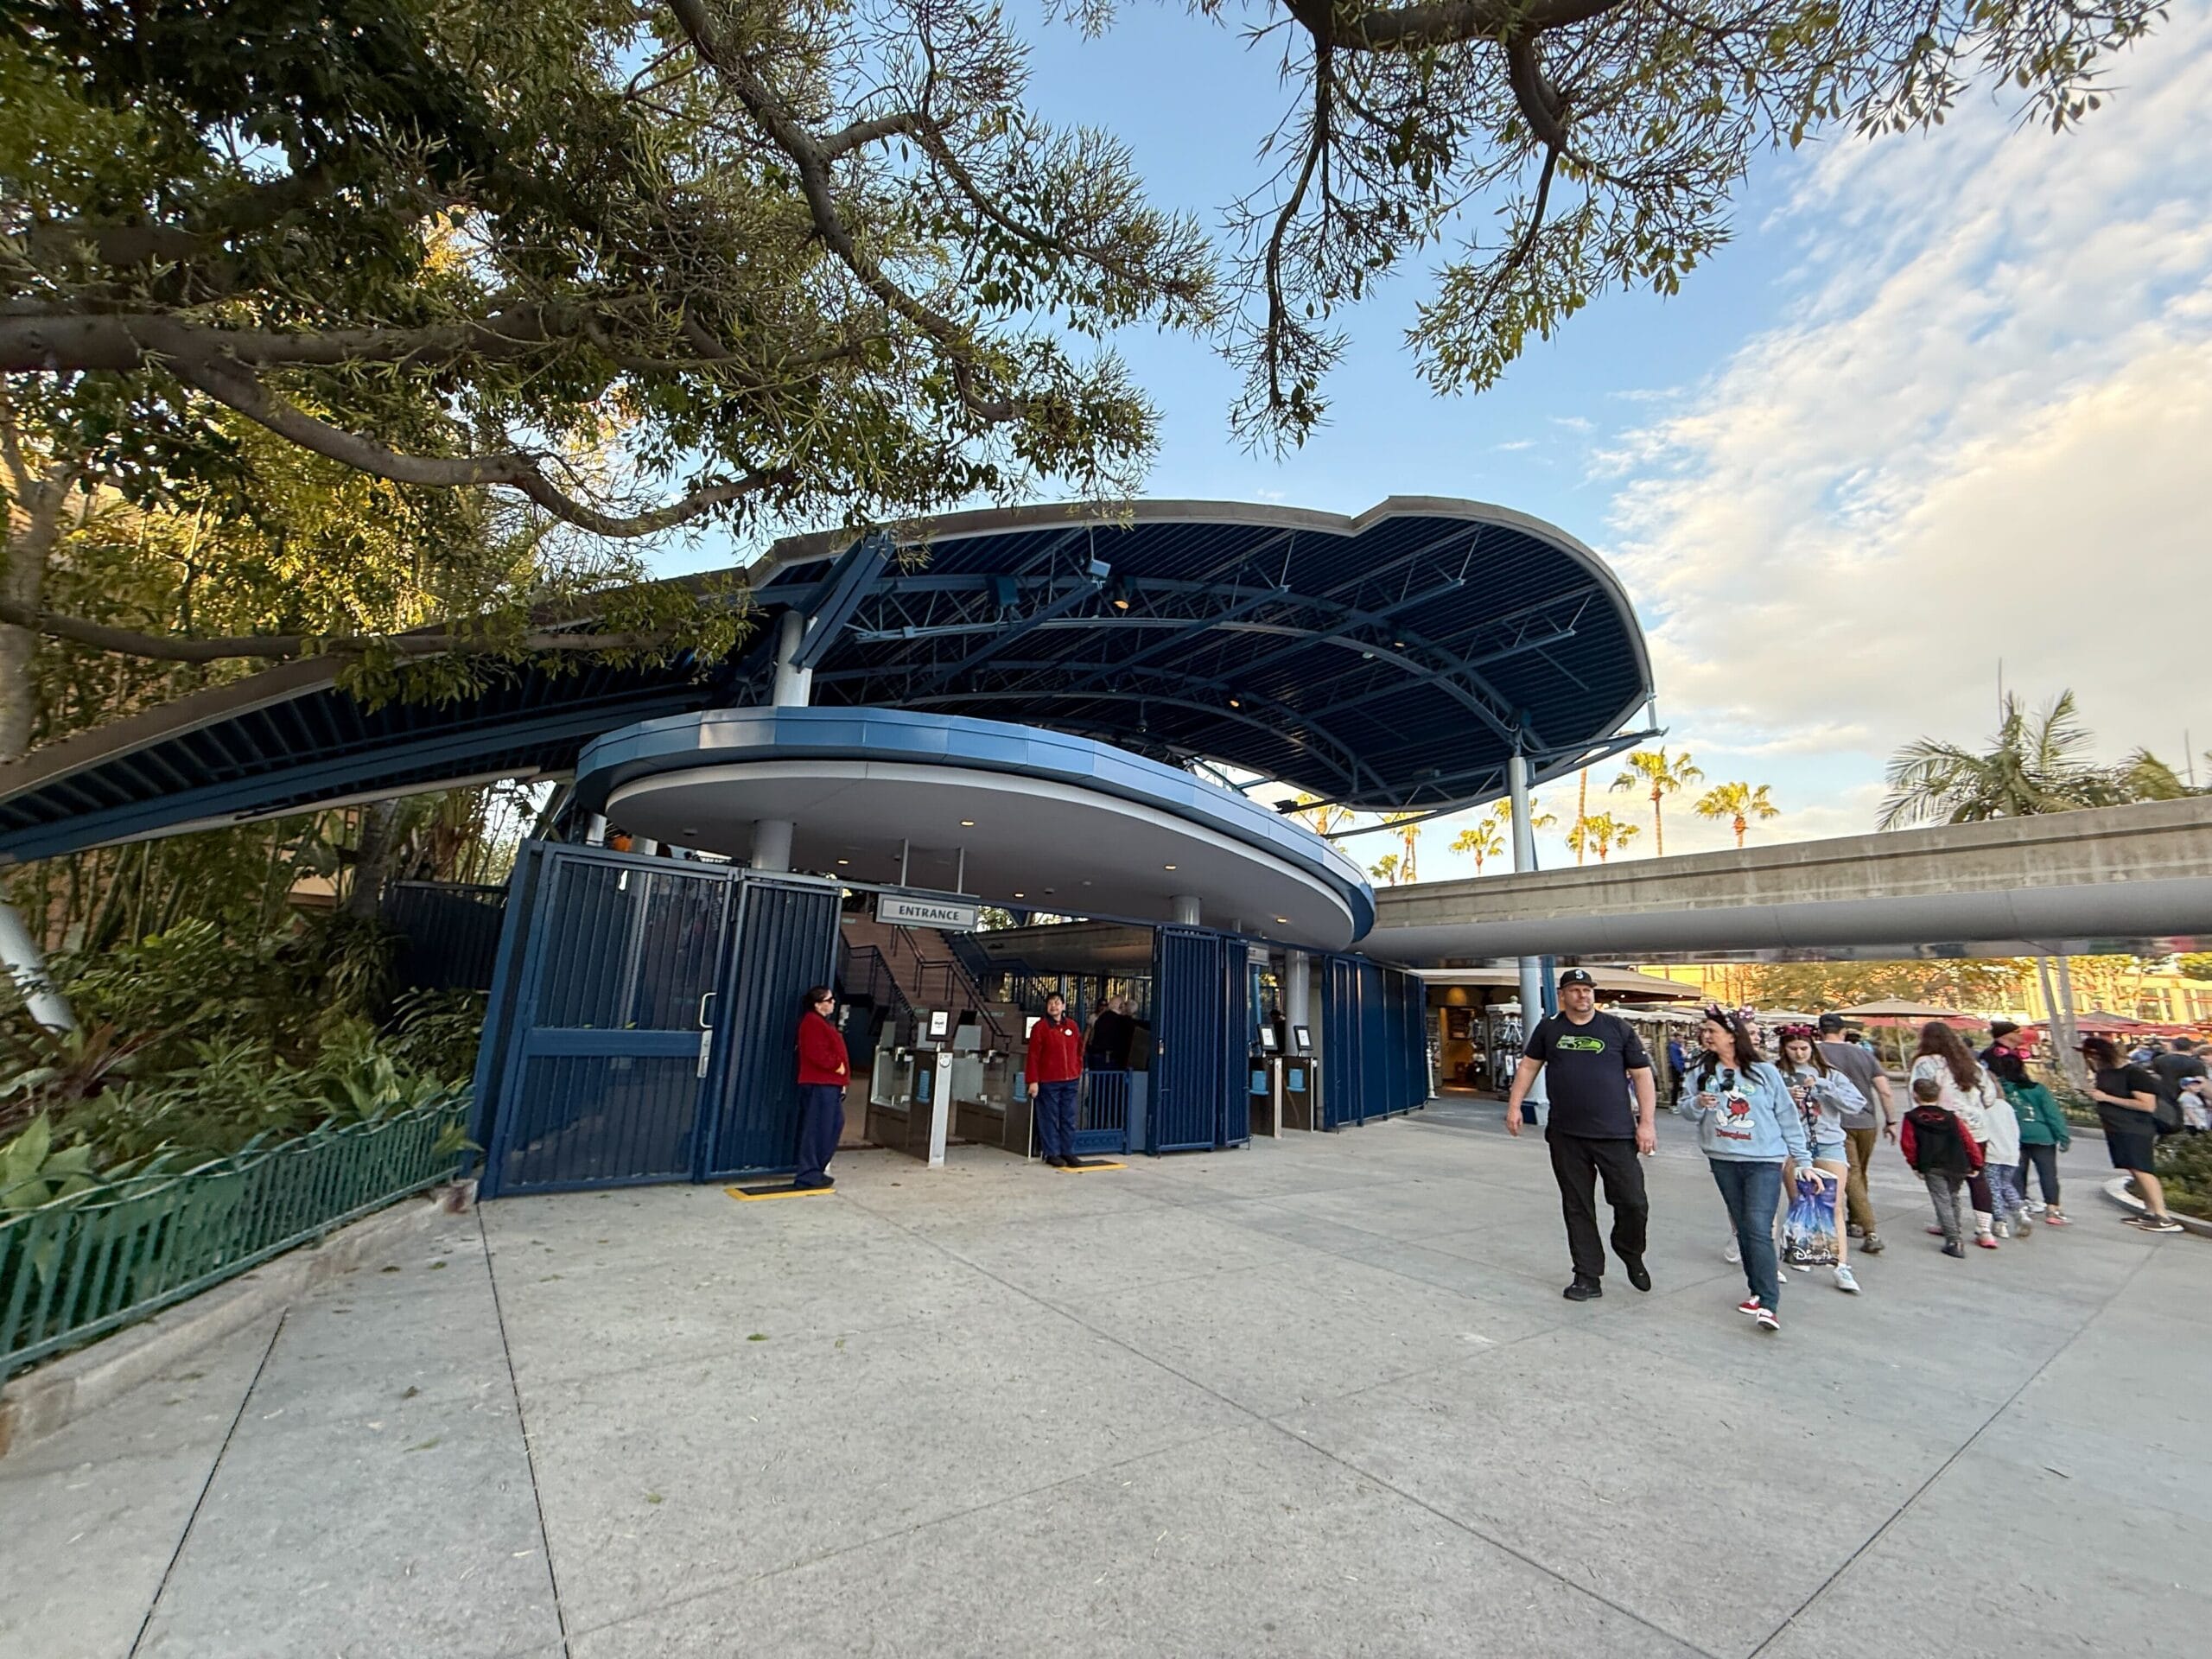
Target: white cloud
(1982,436)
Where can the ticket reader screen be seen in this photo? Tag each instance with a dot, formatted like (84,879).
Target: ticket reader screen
(1268,1040)
(1301,1040)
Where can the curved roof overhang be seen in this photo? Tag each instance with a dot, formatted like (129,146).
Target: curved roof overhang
(1391,661)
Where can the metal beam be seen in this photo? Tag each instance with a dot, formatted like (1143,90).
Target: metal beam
(849,583)
(1084,589)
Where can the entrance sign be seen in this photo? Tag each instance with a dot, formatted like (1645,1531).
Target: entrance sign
(947,915)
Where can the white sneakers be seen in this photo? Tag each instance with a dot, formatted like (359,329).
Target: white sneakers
(1846,1281)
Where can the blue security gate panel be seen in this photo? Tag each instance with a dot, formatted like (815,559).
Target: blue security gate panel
(1340,1044)
(642,1022)
(785,942)
(1190,1065)
(1101,1120)
(1374,1059)
(605,1058)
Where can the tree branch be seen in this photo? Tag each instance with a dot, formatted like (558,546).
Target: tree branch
(238,390)
(1443,22)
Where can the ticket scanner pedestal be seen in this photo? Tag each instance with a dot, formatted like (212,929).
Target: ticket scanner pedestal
(1282,1084)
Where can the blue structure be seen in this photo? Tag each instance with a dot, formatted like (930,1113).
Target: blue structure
(1010,710)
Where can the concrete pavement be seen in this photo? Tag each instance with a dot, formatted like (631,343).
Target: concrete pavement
(1319,1398)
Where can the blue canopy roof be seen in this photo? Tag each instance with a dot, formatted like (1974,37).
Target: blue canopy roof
(1392,661)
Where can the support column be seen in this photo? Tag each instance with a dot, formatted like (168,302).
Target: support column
(26,965)
(794,686)
(1184,910)
(772,845)
(1524,860)
(595,831)
(1297,987)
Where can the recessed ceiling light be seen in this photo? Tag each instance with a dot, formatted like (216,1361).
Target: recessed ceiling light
(844,860)
(1167,867)
(687,832)
(1086,883)
(1235,703)
(1021,895)
(967,823)
(1284,920)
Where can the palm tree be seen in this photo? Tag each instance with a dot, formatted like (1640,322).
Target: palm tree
(1480,839)
(1664,777)
(1407,825)
(1601,832)
(1323,815)
(2032,766)
(1739,803)
(1385,869)
(1581,812)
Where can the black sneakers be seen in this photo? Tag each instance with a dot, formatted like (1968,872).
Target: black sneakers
(1584,1290)
(1636,1275)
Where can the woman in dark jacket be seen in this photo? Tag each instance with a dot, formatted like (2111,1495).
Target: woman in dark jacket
(823,1073)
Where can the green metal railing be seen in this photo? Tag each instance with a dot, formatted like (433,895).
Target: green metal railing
(77,1267)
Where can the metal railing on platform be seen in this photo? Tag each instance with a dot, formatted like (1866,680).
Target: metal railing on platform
(79,1266)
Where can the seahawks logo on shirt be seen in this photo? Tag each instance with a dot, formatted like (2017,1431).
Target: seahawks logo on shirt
(1581,1044)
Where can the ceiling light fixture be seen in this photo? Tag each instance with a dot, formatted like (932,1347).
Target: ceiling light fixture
(844,860)
(967,823)
(1021,895)
(1167,867)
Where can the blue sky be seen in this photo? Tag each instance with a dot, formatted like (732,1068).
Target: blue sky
(1945,401)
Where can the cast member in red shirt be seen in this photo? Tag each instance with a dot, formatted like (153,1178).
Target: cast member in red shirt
(1054,1068)
(823,1073)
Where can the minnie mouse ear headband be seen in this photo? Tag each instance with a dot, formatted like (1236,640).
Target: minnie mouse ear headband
(1720,1016)
(1799,1034)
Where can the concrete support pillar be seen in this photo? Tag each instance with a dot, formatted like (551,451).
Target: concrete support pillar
(772,845)
(1524,860)
(1184,910)
(26,965)
(595,831)
(1297,987)
(794,686)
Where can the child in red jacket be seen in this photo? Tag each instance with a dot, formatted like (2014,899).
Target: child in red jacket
(1944,1155)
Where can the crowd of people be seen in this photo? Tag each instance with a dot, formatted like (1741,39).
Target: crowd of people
(1789,1137)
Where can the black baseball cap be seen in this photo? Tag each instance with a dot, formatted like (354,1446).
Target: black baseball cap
(1577,976)
(1831,1022)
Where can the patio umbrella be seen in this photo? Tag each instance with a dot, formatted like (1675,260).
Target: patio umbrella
(2097,1020)
(1894,1011)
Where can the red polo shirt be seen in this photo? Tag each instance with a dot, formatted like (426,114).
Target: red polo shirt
(1055,1052)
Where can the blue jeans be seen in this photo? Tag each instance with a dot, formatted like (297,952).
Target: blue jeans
(1056,1118)
(1751,1191)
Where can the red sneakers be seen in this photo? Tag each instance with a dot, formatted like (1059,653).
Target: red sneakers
(1749,1305)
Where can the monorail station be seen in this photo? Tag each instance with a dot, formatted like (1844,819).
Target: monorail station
(1099,729)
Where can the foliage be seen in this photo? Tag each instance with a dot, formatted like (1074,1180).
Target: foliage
(2195,964)
(437,1032)
(1599,833)
(1663,775)
(1990,986)
(520,279)
(1385,869)
(1739,803)
(32,1172)
(2033,765)
(2184,1169)
(1480,841)
(1538,153)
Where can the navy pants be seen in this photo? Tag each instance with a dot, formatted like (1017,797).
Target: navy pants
(1579,1162)
(821,1121)
(1056,1118)
(1751,1191)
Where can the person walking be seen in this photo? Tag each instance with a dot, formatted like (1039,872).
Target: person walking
(1876,1120)
(1941,1149)
(1827,1100)
(1747,1127)
(1593,1064)
(1106,1048)
(2128,1105)
(2043,1130)
(2180,1072)
(1678,1062)
(1053,1067)
(1943,1055)
(824,1070)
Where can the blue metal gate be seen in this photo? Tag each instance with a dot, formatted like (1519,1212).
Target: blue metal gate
(603,1058)
(1189,1067)
(1374,1041)
(787,941)
(641,1021)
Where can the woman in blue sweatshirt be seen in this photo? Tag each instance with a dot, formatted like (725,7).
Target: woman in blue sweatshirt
(1747,1125)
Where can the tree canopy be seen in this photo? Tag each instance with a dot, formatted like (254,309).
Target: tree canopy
(586,269)
(2034,763)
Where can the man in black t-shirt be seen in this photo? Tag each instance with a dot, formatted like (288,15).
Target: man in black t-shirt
(1595,1067)
(2173,1070)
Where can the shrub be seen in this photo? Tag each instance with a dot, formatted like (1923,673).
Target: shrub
(2184,1169)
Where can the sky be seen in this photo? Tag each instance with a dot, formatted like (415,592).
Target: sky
(1938,420)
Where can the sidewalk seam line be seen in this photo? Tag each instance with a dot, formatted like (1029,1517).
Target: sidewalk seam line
(207,1485)
(522,1422)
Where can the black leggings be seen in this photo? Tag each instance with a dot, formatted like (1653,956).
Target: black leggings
(2045,1162)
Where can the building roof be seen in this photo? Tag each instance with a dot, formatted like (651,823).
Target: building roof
(1390,662)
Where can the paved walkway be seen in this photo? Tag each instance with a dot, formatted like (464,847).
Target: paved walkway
(1321,1398)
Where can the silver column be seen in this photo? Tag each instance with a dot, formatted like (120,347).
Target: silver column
(1524,860)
